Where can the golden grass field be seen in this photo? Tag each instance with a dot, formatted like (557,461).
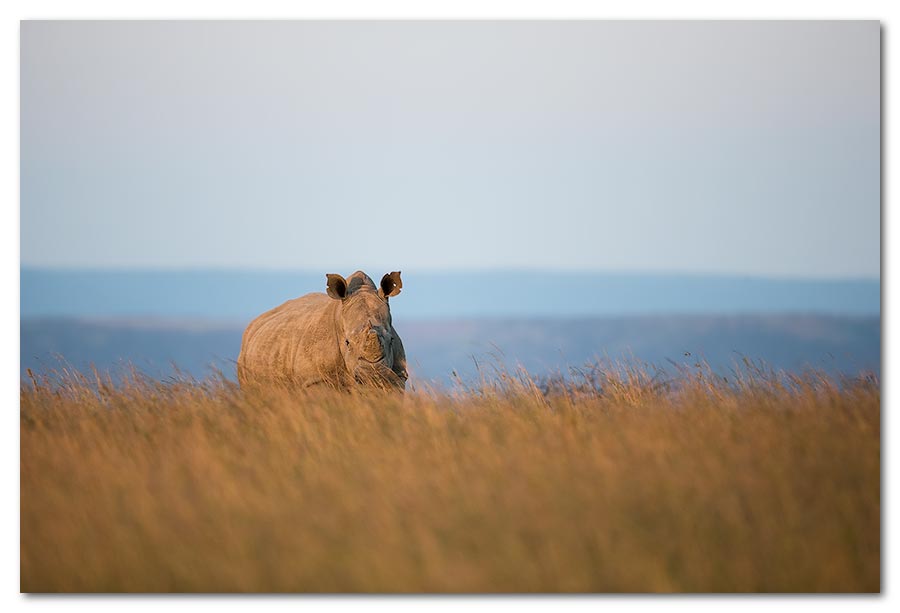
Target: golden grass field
(626,482)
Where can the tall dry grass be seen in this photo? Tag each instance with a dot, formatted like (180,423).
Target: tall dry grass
(617,482)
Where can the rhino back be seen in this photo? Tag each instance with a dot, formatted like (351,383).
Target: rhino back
(294,343)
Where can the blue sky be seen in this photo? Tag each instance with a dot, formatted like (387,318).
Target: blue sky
(747,148)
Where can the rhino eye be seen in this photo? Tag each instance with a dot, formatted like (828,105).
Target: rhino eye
(347,342)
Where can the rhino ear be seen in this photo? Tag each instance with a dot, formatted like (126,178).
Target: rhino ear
(390,284)
(337,287)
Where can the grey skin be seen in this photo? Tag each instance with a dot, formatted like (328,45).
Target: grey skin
(342,339)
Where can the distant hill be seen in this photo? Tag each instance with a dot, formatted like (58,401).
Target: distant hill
(240,296)
(845,344)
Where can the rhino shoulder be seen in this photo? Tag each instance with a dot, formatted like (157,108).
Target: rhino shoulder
(276,344)
(292,311)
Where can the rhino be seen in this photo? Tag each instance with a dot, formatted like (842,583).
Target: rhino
(343,338)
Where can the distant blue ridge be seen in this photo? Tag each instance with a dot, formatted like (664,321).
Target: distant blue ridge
(241,295)
(836,344)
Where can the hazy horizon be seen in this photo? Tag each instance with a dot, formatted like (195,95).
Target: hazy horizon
(218,294)
(656,273)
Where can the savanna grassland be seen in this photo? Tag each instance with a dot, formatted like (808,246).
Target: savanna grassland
(622,481)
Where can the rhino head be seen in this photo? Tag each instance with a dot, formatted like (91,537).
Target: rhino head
(369,345)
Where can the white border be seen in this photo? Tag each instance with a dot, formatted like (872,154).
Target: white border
(15,10)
